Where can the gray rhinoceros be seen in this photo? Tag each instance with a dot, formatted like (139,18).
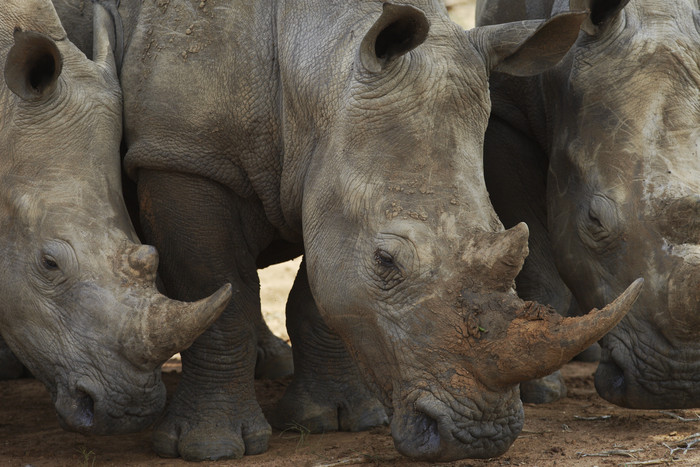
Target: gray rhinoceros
(355,129)
(614,133)
(78,303)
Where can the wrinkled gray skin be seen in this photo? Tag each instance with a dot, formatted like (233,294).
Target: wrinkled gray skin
(614,134)
(341,126)
(78,302)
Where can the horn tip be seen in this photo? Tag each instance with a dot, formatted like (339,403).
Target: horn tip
(224,294)
(633,290)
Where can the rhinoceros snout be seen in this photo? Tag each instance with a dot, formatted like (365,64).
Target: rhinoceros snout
(436,433)
(93,410)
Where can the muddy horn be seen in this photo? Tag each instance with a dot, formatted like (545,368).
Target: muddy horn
(540,341)
(500,253)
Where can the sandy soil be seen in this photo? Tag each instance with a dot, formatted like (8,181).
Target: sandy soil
(581,430)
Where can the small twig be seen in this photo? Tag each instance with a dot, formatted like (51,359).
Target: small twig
(612,452)
(599,417)
(685,445)
(678,417)
(346,461)
(664,460)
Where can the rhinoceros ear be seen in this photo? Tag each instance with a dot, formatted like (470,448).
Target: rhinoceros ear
(528,48)
(400,29)
(108,35)
(33,65)
(602,12)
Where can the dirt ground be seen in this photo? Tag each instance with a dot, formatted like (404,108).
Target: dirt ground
(581,430)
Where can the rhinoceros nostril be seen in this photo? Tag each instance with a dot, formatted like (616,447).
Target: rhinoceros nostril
(416,435)
(84,415)
(76,410)
(610,382)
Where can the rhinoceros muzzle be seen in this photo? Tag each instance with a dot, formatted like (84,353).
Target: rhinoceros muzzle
(634,376)
(436,432)
(87,407)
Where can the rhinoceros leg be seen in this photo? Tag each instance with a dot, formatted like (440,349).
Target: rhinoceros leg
(10,366)
(516,172)
(274,357)
(206,236)
(327,392)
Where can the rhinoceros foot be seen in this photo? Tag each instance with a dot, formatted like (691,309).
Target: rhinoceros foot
(321,405)
(210,427)
(327,392)
(274,358)
(543,390)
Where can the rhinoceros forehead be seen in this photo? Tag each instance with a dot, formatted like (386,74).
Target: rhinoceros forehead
(41,205)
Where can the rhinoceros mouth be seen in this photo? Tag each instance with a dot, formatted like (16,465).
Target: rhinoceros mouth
(434,432)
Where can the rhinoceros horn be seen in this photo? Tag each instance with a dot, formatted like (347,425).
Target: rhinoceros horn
(500,253)
(538,340)
(170,326)
(157,327)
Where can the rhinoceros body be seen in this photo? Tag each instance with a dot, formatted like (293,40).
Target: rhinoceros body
(601,153)
(340,127)
(78,302)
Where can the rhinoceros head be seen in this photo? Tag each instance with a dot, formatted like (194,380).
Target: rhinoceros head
(407,260)
(624,191)
(79,304)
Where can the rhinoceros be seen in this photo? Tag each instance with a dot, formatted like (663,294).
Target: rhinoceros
(78,302)
(353,129)
(600,156)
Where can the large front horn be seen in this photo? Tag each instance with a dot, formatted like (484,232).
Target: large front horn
(539,341)
(164,326)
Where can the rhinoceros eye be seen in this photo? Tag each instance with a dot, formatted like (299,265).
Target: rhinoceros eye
(384,259)
(386,269)
(599,228)
(49,263)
